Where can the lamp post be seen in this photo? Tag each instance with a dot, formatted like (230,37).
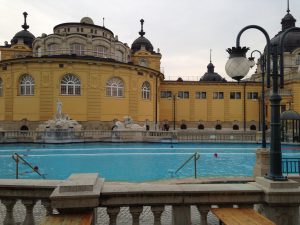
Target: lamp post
(174,110)
(238,66)
(262,66)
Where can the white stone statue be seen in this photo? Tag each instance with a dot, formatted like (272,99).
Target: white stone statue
(59,108)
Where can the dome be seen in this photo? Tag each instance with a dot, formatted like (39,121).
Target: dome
(210,75)
(292,39)
(24,35)
(141,41)
(87,20)
(290,115)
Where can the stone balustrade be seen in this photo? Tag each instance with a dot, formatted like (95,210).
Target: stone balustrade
(279,201)
(126,135)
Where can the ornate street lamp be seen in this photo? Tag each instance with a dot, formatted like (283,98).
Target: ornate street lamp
(275,172)
(262,64)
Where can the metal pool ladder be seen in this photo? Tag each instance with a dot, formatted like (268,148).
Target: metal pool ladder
(19,158)
(195,156)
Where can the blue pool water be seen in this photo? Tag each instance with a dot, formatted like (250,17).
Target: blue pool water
(133,161)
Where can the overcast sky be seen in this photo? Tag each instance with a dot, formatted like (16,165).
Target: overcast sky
(183,30)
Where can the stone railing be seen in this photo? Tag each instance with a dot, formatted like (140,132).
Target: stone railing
(67,51)
(126,135)
(27,201)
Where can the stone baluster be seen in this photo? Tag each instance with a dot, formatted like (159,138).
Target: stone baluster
(113,214)
(9,205)
(135,212)
(29,204)
(203,209)
(47,204)
(157,211)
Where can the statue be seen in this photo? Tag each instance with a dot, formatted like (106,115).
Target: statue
(59,108)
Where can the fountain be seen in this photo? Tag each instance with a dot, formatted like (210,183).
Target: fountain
(60,129)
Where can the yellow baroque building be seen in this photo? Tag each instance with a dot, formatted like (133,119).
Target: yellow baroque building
(100,80)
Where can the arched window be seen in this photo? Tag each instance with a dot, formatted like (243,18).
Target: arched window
(146,90)
(115,87)
(1,87)
(77,49)
(26,85)
(119,55)
(100,51)
(218,127)
(70,85)
(183,126)
(24,127)
(235,127)
(53,49)
(252,127)
(201,127)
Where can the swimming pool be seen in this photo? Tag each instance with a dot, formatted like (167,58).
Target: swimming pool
(133,161)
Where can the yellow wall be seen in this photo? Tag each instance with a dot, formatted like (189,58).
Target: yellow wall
(209,109)
(92,104)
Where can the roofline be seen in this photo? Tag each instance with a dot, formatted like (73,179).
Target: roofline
(79,58)
(83,24)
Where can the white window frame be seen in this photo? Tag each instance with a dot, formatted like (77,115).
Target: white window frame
(26,85)
(115,87)
(146,90)
(77,48)
(100,51)
(70,85)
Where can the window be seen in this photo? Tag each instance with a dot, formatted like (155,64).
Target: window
(183,94)
(201,95)
(100,51)
(252,127)
(218,95)
(165,94)
(146,90)
(81,29)
(201,127)
(252,95)
(115,87)
(119,55)
(298,59)
(70,85)
(143,62)
(77,49)
(1,87)
(235,127)
(235,95)
(26,85)
(183,126)
(218,127)
(53,49)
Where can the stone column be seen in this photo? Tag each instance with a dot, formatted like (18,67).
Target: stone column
(157,211)
(135,212)
(113,214)
(9,205)
(204,210)
(29,204)
(262,164)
